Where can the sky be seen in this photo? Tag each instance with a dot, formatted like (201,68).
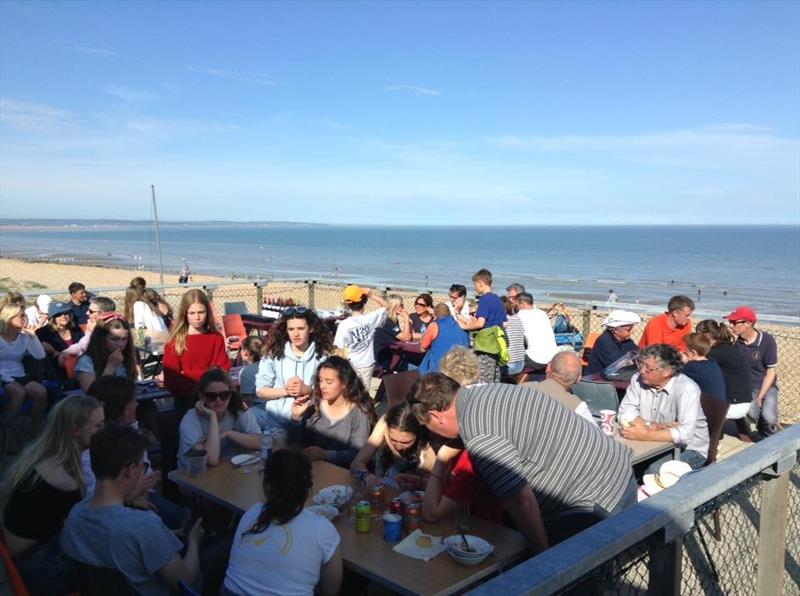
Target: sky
(402,112)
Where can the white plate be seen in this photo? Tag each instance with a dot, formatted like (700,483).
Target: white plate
(245,459)
(326,511)
(338,494)
(408,497)
(480,547)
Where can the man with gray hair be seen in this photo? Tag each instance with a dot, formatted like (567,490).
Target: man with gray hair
(662,404)
(513,291)
(563,371)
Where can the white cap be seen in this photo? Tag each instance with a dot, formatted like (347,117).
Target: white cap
(43,302)
(618,318)
(668,474)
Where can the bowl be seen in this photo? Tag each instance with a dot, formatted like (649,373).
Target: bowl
(338,495)
(245,459)
(327,511)
(480,549)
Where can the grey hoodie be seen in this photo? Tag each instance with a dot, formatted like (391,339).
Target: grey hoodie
(276,372)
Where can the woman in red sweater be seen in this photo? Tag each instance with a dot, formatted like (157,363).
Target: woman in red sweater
(194,345)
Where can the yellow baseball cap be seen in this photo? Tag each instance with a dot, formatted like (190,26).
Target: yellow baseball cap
(353,293)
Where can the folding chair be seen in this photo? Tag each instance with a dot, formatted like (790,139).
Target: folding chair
(715,410)
(234,331)
(398,385)
(15,581)
(598,396)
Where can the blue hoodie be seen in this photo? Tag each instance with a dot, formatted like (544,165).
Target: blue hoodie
(276,372)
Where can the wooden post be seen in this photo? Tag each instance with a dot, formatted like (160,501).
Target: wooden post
(772,533)
(259,298)
(312,292)
(665,567)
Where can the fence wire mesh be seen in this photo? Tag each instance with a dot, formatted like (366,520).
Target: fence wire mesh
(791,575)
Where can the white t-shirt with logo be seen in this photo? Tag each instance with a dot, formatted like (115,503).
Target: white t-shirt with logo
(283,560)
(356,335)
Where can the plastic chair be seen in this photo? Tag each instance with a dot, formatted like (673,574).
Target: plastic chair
(397,386)
(234,331)
(15,581)
(102,581)
(587,348)
(69,364)
(715,410)
(598,396)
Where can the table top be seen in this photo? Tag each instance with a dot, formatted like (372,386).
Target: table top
(412,347)
(368,554)
(599,378)
(644,450)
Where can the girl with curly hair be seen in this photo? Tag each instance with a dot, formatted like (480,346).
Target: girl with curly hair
(337,419)
(296,347)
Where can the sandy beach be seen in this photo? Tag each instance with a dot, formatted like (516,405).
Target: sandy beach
(25,276)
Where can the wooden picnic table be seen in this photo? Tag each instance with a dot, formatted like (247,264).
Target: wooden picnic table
(411,349)
(647,450)
(369,554)
(619,385)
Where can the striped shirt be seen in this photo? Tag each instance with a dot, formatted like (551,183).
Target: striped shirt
(515,336)
(516,435)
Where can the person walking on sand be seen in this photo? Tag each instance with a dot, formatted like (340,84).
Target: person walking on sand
(183,276)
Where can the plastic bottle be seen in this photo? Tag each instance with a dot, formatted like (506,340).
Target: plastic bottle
(266,445)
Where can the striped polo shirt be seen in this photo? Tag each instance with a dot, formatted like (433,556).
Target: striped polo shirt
(517,435)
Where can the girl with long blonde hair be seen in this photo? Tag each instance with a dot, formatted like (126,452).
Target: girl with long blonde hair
(40,489)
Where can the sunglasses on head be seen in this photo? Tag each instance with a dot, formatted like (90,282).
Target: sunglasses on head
(294,310)
(216,395)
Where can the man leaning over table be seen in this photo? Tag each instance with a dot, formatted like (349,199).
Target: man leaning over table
(664,405)
(552,471)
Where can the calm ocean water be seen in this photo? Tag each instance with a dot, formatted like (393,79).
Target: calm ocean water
(723,266)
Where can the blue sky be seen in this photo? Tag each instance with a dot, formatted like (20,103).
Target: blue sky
(403,113)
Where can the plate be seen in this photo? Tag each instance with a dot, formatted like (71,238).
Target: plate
(412,497)
(338,494)
(245,459)
(326,511)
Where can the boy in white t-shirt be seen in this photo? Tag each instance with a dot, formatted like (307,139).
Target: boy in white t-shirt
(355,335)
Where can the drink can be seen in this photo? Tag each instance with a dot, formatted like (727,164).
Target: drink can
(363,517)
(392,527)
(412,519)
(397,506)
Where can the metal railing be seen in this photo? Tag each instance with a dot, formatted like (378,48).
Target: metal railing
(730,528)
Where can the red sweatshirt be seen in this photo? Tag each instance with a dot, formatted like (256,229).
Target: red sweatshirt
(203,351)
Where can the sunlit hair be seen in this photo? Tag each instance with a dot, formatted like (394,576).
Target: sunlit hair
(441,310)
(115,393)
(8,312)
(254,346)
(462,365)
(719,333)
(13,298)
(394,301)
(98,352)
(286,484)
(679,302)
(699,342)
(666,355)
(401,417)
(318,334)
(354,391)
(57,441)
(157,303)
(426,298)
(217,375)
(433,392)
(483,275)
(180,328)
(139,283)
(510,307)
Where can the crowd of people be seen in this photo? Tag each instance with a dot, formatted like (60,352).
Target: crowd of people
(492,420)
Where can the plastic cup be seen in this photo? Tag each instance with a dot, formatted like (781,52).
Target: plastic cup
(196,462)
(462,516)
(608,421)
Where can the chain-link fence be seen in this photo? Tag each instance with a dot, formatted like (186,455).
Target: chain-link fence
(269,297)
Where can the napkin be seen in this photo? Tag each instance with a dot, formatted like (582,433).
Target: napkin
(410,548)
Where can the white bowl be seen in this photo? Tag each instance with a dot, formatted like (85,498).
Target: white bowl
(327,511)
(468,561)
(480,548)
(338,494)
(245,459)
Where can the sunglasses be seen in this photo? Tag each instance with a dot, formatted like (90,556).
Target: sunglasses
(420,304)
(216,395)
(739,322)
(294,310)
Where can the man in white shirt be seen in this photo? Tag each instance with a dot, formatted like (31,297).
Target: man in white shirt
(355,335)
(540,342)
(662,404)
(37,314)
(458,301)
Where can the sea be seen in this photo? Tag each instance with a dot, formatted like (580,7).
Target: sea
(719,267)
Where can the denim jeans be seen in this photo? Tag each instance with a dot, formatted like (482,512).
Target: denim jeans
(693,458)
(766,415)
(47,570)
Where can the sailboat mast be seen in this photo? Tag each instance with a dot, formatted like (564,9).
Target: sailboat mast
(158,237)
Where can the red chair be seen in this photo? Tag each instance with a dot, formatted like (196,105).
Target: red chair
(69,365)
(15,581)
(587,348)
(234,331)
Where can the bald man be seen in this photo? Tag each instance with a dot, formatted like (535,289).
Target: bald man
(563,371)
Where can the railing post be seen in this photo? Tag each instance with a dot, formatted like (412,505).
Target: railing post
(665,567)
(587,322)
(312,292)
(259,297)
(772,528)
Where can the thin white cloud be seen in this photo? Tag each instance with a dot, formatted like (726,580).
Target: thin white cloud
(31,116)
(235,75)
(129,95)
(162,125)
(413,89)
(81,48)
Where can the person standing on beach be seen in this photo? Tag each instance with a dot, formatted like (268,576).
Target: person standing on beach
(80,302)
(355,335)
(672,326)
(183,276)
(612,297)
(489,318)
(761,352)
